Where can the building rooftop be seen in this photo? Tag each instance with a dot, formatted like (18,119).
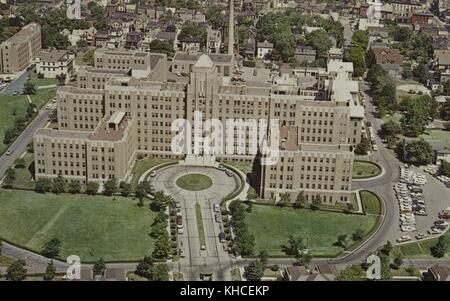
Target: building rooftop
(111,129)
(53,55)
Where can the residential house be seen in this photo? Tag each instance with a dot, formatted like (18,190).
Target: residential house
(305,54)
(213,41)
(421,18)
(134,40)
(101,38)
(437,273)
(52,63)
(263,49)
(190,43)
(442,59)
(405,8)
(335,55)
(249,48)
(390,60)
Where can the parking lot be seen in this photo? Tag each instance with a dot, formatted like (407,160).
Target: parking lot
(421,197)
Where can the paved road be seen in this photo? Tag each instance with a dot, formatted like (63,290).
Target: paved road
(19,146)
(18,83)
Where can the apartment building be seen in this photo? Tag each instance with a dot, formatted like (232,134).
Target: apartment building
(320,124)
(21,49)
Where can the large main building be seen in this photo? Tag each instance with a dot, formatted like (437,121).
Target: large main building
(126,103)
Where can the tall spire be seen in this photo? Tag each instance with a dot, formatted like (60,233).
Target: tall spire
(231,29)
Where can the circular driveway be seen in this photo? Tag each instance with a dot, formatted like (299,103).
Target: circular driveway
(222,184)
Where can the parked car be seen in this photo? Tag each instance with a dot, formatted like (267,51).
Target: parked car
(8,152)
(180,230)
(222,237)
(216,208)
(434,230)
(153,174)
(182,255)
(421,236)
(218,218)
(403,238)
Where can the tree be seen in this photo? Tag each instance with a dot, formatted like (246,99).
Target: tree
(144,267)
(245,244)
(398,260)
(160,272)
(10,177)
(254,271)
(357,55)
(52,248)
(251,194)
(444,169)
(342,240)
(263,257)
(317,201)
(88,57)
(358,234)
(421,73)
(140,193)
(418,152)
(98,14)
(295,245)
(418,111)
(214,16)
(125,188)
(29,88)
(191,30)
(440,249)
(320,41)
(92,188)
(58,185)
(300,202)
(110,187)
(351,273)
(16,271)
(285,198)
(160,201)
(74,187)
(99,267)
(158,230)
(390,128)
(61,79)
(166,47)
(445,108)
(10,135)
(386,249)
(19,163)
(162,247)
(50,271)
(363,147)
(361,38)
(43,185)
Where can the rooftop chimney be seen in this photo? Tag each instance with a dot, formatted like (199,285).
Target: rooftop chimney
(231,29)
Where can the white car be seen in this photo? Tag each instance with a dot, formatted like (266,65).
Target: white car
(403,238)
(407,228)
(180,231)
(434,230)
(153,174)
(8,152)
(421,236)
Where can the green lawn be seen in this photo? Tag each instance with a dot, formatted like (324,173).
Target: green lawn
(271,226)
(246,168)
(421,249)
(200,227)
(194,182)
(437,135)
(38,82)
(24,175)
(365,169)
(12,108)
(143,165)
(370,203)
(92,227)
(395,117)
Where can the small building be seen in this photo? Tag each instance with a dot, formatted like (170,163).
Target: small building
(54,62)
(421,18)
(437,273)
(263,49)
(213,41)
(190,44)
(442,59)
(133,40)
(305,54)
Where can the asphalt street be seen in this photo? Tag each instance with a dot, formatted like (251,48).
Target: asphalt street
(18,83)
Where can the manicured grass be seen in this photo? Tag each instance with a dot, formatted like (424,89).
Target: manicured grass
(272,225)
(437,135)
(200,227)
(406,272)
(370,202)
(421,249)
(38,82)
(143,165)
(92,227)
(12,107)
(194,182)
(365,169)
(24,176)
(246,168)
(395,117)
